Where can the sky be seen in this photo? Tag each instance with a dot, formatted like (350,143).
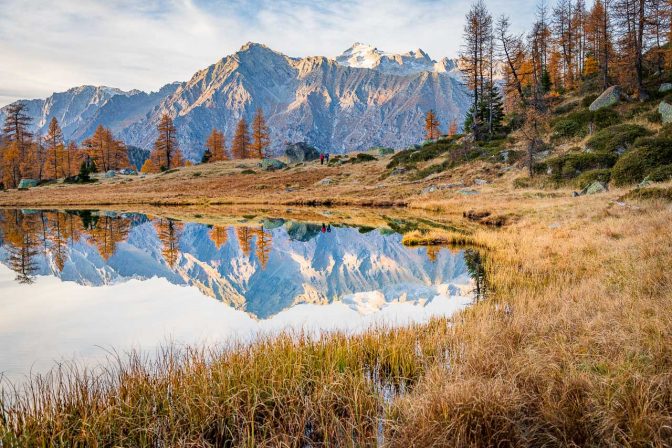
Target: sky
(48,46)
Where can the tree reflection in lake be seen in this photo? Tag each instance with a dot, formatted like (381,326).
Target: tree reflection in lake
(262,267)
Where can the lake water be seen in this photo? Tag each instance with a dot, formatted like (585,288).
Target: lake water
(75,285)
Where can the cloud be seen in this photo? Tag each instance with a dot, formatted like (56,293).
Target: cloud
(50,46)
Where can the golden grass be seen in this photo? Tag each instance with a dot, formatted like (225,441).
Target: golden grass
(571,348)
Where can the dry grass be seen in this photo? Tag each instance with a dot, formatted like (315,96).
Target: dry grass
(572,348)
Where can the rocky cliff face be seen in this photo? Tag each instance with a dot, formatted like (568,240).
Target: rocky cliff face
(360,99)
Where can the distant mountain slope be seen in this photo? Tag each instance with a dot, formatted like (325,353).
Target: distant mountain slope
(360,99)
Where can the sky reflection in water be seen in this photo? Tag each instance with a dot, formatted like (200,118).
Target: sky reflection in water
(73,285)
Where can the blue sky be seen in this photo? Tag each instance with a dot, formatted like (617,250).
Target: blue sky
(48,46)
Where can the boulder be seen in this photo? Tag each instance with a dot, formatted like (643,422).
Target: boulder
(665,87)
(595,187)
(301,152)
(271,164)
(665,111)
(429,189)
(480,181)
(609,97)
(325,181)
(399,170)
(110,174)
(24,184)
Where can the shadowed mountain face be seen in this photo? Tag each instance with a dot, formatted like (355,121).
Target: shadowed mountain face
(259,269)
(361,99)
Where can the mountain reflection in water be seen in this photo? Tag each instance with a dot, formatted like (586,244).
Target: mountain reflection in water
(261,267)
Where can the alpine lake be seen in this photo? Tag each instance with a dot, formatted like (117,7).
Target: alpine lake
(77,286)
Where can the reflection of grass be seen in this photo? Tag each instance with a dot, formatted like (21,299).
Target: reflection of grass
(570,348)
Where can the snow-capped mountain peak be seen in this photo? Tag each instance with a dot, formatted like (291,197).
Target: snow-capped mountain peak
(361,55)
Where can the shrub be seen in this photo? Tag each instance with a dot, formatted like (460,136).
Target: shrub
(660,174)
(570,165)
(362,157)
(566,108)
(576,124)
(588,100)
(588,177)
(617,137)
(636,164)
(248,172)
(654,117)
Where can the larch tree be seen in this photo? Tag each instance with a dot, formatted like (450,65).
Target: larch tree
(166,153)
(431,125)
(260,136)
(71,159)
(216,145)
(240,148)
(512,53)
(106,152)
(55,149)
(18,144)
(148,167)
(475,59)
(452,129)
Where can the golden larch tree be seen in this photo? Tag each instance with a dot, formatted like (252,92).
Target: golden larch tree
(55,150)
(431,126)
(240,148)
(148,167)
(166,154)
(452,130)
(216,144)
(261,138)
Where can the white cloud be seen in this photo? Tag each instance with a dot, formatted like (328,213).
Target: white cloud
(50,46)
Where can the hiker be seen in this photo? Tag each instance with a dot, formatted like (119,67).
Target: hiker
(322,158)
(324,228)
(326,156)
(329,228)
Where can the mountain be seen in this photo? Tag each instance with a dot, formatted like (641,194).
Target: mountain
(362,98)
(80,110)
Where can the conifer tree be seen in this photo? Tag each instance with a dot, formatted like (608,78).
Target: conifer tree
(431,125)
(452,130)
(55,150)
(216,147)
(166,153)
(260,136)
(148,167)
(240,147)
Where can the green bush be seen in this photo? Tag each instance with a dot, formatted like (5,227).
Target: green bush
(614,137)
(654,117)
(362,157)
(660,174)
(588,100)
(571,165)
(588,177)
(415,155)
(566,108)
(648,155)
(576,124)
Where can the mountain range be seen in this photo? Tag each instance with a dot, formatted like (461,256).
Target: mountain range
(363,98)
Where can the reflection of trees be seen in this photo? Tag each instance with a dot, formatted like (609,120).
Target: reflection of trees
(263,244)
(219,235)
(169,232)
(474,261)
(107,232)
(432,252)
(19,235)
(58,238)
(244,235)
